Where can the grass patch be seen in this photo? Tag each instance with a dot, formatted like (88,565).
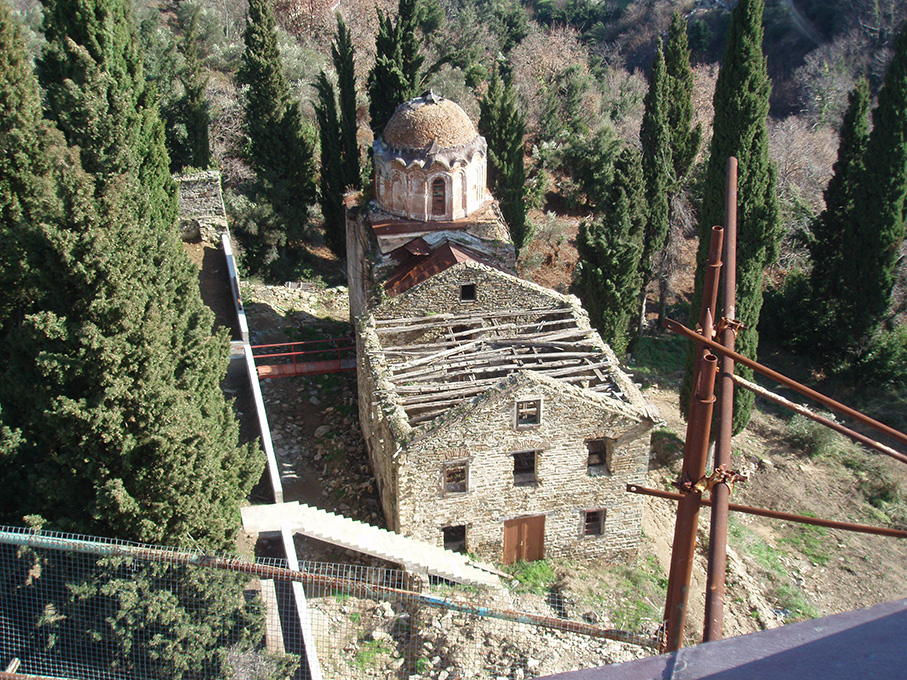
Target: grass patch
(369,652)
(659,355)
(788,596)
(642,588)
(534,577)
(810,540)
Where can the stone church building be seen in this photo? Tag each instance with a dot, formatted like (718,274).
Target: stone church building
(497,420)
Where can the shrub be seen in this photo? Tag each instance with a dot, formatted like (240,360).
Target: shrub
(812,438)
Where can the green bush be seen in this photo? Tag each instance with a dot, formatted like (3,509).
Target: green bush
(535,577)
(812,438)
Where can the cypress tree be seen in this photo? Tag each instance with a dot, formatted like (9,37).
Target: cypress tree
(196,118)
(92,73)
(504,126)
(608,274)
(186,118)
(395,76)
(833,239)
(343,56)
(684,138)
(739,129)
(879,207)
(332,180)
(657,164)
(669,142)
(114,421)
(281,151)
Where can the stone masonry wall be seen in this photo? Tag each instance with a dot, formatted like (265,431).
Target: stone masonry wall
(384,425)
(485,437)
(202,214)
(495,291)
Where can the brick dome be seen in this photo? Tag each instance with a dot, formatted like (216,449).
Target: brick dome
(429,122)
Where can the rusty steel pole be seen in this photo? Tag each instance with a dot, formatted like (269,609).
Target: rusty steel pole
(695,458)
(721,491)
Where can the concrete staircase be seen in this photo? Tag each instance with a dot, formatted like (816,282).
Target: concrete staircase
(351,534)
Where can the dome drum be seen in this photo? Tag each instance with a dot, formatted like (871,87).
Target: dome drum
(430,164)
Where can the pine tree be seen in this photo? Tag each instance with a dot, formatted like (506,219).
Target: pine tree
(395,76)
(608,275)
(879,206)
(739,129)
(111,381)
(343,55)
(280,149)
(504,126)
(92,74)
(332,180)
(833,238)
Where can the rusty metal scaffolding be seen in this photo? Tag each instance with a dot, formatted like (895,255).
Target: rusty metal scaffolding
(719,483)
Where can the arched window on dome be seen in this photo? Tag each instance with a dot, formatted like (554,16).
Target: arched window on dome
(464,191)
(438,197)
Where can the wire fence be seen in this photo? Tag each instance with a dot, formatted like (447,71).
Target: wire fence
(81,607)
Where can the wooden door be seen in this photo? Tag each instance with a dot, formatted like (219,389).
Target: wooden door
(524,539)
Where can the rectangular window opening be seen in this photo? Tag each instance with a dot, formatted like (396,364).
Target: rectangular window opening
(524,468)
(467,292)
(529,413)
(598,462)
(593,522)
(455,538)
(455,478)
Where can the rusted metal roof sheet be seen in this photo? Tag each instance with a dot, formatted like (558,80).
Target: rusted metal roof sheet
(422,267)
(867,643)
(417,246)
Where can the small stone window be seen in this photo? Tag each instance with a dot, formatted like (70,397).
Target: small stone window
(468,292)
(598,462)
(528,413)
(456,479)
(593,522)
(455,538)
(524,463)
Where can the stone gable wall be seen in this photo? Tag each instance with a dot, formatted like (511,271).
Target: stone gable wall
(485,437)
(495,291)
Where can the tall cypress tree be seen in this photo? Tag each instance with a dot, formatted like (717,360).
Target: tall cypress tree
(111,381)
(685,139)
(657,163)
(833,237)
(879,207)
(186,118)
(395,76)
(669,142)
(92,74)
(280,149)
(608,274)
(195,116)
(739,129)
(343,55)
(504,126)
(330,194)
